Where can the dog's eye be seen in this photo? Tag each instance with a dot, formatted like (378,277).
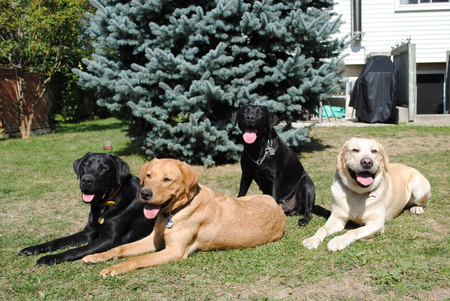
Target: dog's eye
(167,180)
(148,176)
(374,151)
(355,150)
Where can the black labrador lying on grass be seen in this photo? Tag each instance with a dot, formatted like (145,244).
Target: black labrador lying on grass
(116,215)
(273,165)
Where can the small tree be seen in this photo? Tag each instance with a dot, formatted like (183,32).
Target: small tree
(178,69)
(38,36)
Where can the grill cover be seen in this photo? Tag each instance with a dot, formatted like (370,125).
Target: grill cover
(374,95)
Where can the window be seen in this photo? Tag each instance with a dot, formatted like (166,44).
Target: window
(421,5)
(406,2)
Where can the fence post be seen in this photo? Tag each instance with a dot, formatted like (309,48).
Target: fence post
(404,57)
(447,84)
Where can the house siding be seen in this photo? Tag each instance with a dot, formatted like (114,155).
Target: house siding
(384,26)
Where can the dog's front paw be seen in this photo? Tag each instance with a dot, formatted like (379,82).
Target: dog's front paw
(312,243)
(115,270)
(93,258)
(416,210)
(50,260)
(338,243)
(33,250)
(304,221)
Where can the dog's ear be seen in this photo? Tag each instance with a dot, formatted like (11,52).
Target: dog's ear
(190,178)
(122,168)
(77,165)
(341,157)
(273,119)
(144,170)
(384,157)
(235,115)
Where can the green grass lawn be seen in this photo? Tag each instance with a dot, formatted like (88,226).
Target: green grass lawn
(40,201)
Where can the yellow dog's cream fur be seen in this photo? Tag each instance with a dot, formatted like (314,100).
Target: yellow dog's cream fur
(394,188)
(208,220)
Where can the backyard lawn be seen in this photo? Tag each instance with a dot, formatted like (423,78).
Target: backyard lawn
(40,200)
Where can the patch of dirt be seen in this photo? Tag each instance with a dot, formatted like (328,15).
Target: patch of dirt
(350,288)
(440,293)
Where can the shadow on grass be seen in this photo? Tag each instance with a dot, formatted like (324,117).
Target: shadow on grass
(88,127)
(316,145)
(132,148)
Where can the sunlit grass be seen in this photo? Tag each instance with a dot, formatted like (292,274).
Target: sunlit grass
(40,200)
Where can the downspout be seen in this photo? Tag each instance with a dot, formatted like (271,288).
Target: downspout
(357,28)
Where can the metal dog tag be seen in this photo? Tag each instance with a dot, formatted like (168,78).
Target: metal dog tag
(271,150)
(169,223)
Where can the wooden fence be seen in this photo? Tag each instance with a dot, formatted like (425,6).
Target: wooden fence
(9,116)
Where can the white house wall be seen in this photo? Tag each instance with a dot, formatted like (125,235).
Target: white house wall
(385,23)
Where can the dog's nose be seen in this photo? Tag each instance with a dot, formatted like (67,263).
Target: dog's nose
(87,180)
(250,120)
(366,163)
(146,194)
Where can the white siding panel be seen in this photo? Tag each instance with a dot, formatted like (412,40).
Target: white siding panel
(383,27)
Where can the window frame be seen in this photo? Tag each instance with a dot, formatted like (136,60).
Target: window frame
(439,6)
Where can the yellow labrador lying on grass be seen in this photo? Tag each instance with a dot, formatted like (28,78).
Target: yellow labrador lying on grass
(190,217)
(369,191)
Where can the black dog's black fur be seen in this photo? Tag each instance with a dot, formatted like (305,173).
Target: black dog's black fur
(111,224)
(273,165)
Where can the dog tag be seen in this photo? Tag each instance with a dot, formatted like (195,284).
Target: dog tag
(372,195)
(101,220)
(109,203)
(271,150)
(169,223)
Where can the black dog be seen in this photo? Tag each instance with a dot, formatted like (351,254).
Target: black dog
(272,164)
(116,215)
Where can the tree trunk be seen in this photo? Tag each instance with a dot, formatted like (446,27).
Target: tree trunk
(25,126)
(26,120)
(20,95)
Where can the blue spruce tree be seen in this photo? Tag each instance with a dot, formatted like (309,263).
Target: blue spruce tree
(178,69)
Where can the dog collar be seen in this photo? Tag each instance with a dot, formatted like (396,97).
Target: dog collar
(170,214)
(107,203)
(269,150)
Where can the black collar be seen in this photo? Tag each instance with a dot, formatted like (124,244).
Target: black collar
(176,210)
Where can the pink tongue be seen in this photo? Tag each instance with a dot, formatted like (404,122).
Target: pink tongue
(364,178)
(88,197)
(249,136)
(151,211)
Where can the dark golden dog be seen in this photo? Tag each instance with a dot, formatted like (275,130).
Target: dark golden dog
(369,191)
(192,217)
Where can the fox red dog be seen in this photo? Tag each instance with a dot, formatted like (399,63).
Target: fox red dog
(191,217)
